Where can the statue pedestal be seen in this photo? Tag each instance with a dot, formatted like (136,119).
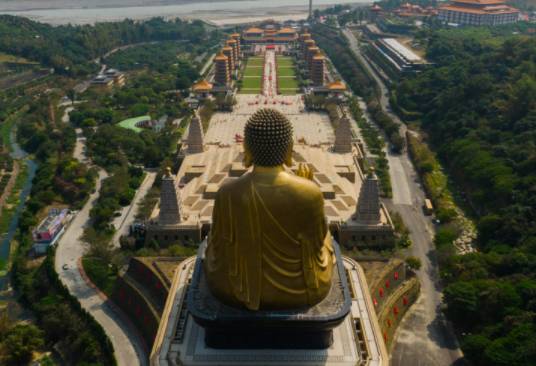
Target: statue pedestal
(228,327)
(357,340)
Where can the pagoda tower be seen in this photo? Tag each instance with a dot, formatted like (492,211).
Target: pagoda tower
(229,52)
(318,67)
(368,205)
(304,37)
(311,52)
(234,45)
(306,44)
(170,202)
(236,37)
(222,74)
(195,136)
(343,137)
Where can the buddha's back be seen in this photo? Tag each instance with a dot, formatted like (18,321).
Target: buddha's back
(274,252)
(269,246)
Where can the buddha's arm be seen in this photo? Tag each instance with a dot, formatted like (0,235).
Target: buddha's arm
(220,232)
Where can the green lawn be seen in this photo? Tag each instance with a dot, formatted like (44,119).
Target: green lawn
(286,76)
(285,62)
(253,71)
(251,83)
(288,91)
(255,62)
(285,71)
(287,83)
(131,123)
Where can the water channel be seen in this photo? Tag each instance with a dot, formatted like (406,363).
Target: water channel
(5,240)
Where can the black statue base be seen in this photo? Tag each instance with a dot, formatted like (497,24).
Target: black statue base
(228,327)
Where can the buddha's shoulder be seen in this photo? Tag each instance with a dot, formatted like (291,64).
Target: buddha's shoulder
(303,186)
(235,185)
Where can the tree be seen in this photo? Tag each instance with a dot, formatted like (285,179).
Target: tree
(462,303)
(71,94)
(413,263)
(20,343)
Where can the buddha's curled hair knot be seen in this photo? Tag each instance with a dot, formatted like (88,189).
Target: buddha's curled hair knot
(268,136)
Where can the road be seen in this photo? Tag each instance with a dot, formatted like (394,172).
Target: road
(129,213)
(129,348)
(424,337)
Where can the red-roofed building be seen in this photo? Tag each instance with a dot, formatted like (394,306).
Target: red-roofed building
(478,12)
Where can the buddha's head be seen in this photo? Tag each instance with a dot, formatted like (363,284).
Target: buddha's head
(268,139)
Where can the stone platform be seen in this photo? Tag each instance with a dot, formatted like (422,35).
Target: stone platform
(228,327)
(356,341)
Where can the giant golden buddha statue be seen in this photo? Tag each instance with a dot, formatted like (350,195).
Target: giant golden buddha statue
(269,247)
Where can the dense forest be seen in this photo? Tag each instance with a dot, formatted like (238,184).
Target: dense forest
(70,49)
(478,108)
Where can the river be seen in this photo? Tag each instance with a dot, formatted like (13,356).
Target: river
(218,11)
(5,244)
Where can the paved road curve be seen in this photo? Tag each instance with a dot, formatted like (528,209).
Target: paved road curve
(424,336)
(129,349)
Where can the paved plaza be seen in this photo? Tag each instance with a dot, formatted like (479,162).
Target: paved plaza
(313,128)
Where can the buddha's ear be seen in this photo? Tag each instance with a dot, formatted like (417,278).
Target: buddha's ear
(248,158)
(288,158)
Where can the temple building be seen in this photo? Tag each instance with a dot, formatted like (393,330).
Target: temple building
(222,75)
(202,89)
(269,34)
(478,12)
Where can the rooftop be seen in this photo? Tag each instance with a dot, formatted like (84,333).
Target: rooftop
(501,9)
(402,50)
(220,57)
(287,30)
(202,85)
(337,85)
(254,30)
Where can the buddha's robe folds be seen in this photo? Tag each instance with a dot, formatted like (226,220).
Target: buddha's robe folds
(269,247)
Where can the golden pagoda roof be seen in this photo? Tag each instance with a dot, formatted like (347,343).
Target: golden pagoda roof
(319,56)
(202,85)
(254,30)
(337,85)
(227,48)
(221,57)
(287,30)
(231,41)
(234,35)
